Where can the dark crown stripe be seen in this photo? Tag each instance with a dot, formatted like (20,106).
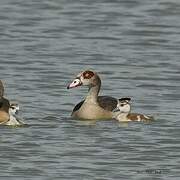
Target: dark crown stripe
(125,99)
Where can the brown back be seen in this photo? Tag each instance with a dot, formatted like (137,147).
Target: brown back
(132,116)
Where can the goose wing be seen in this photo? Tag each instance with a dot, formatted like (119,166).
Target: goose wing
(78,106)
(106,102)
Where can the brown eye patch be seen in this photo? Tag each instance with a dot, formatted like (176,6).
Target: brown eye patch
(88,74)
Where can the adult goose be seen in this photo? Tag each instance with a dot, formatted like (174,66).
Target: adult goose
(93,106)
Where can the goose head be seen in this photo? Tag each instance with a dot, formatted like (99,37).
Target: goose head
(86,78)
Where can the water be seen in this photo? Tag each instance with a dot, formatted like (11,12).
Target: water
(133,45)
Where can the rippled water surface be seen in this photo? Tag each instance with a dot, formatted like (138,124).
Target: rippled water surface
(135,47)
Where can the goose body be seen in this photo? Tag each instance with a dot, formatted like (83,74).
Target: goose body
(4,105)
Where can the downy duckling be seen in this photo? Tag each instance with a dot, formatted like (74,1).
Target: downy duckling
(13,119)
(122,112)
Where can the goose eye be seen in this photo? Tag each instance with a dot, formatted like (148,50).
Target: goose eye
(122,105)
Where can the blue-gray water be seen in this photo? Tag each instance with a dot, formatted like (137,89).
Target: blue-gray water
(135,47)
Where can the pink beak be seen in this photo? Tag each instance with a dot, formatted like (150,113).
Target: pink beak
(74,84)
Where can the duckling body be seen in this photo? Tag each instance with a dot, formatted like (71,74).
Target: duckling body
(123,117)
(138,117)
(122,112)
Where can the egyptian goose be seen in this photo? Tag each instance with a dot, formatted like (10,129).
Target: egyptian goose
(93,106)
(122,112)
(4,106)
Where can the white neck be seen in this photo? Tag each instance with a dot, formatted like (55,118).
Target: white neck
(12,118)
(122,116)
